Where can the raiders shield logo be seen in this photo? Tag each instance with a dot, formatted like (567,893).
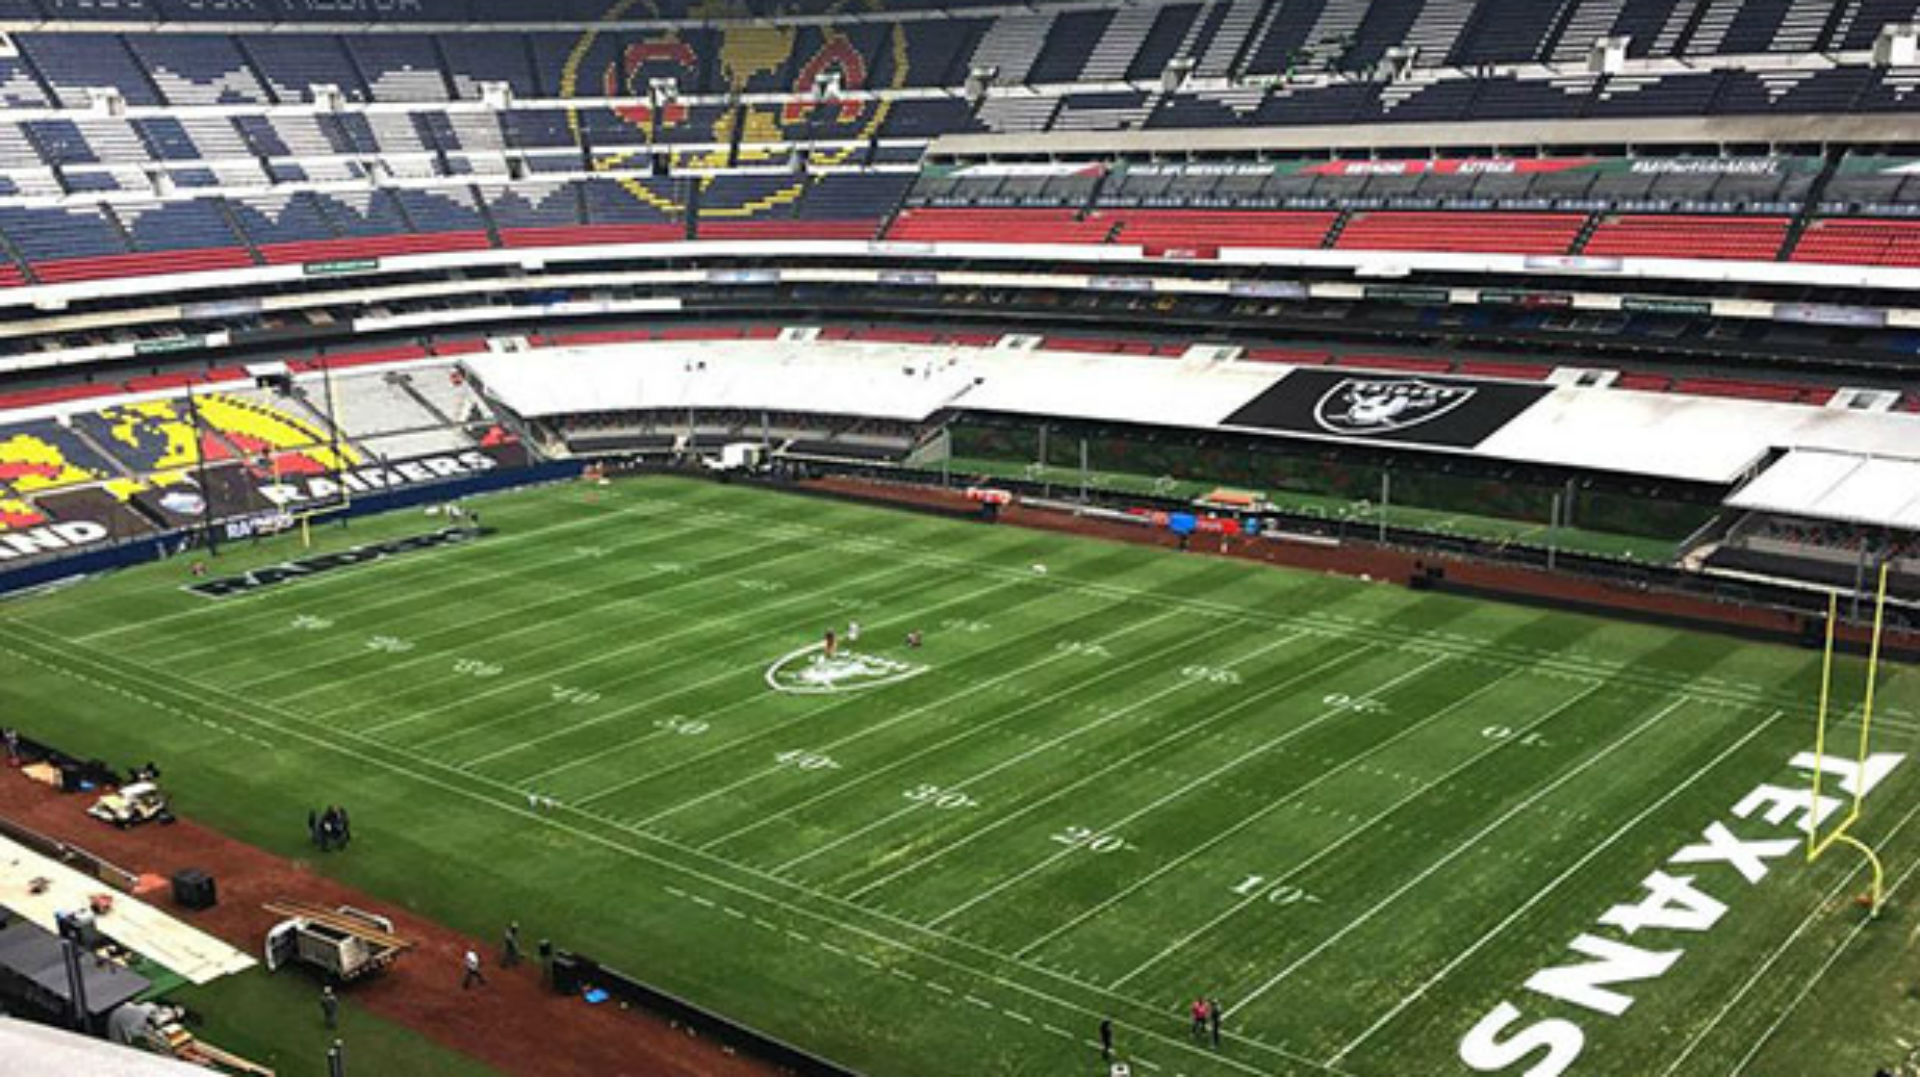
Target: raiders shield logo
(1376,406)
(811,671)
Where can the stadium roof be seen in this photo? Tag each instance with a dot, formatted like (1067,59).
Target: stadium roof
(1861,488)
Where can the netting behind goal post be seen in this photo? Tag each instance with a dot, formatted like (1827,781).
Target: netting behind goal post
(1817,843)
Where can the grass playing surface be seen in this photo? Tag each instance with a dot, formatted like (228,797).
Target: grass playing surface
(1360,816)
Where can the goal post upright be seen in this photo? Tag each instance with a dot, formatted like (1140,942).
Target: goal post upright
(1816,844)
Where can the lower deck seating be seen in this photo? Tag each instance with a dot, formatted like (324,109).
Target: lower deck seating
(1688,236)
(1860,242)
(1464,231)
(1162,230)
(998,226)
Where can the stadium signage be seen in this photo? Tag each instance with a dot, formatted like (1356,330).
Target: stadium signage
(1370,406)
(62,536)
(427,470)
(268,576)
(340,266)
(1670,903)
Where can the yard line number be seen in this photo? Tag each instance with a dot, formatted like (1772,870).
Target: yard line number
(1280,895)
(806,760)
(1100,843)
(940,798)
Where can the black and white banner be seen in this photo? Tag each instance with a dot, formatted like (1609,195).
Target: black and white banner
(1363,406)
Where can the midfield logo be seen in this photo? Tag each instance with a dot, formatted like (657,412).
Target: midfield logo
(1375,406)
(811,671)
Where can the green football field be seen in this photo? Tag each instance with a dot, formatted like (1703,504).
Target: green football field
(1361,817)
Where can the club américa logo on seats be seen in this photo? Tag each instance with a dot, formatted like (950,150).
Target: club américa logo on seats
(623,64)
(1374,406)
(812,671)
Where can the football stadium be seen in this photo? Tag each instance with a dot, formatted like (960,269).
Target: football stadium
(959,537)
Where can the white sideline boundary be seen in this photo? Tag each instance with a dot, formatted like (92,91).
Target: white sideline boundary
(396,760)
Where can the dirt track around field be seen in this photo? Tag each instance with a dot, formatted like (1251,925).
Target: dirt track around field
(514,1023)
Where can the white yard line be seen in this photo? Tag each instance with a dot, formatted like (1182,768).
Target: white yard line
(1168,867)
(970,691)
(696,628)
(1107,716)
(831,704)
(382,757)
(471,630)
(226,607)
(1183,732)
(1550,887)
(1202,780)
(1358,830)
(1814,914)
(679,689)
(1807,987)
(1465,846)
(594,657)
(383,594)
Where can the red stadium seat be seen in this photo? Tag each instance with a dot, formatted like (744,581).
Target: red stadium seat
(1683,236)
(1860,242)
(1464,231)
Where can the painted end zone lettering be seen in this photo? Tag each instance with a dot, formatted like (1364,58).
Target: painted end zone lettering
(1667,904)
(267,576)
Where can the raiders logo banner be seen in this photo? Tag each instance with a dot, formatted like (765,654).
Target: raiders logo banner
(1387,408)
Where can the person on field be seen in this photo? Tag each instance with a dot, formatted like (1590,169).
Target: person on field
(329,1007)
(313,829)
(1199,1029)
(346,826)
(1213,1020)
(1106,1039)
(853,631)
(510,947)
(474,974)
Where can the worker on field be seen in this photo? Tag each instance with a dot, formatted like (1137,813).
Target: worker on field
(510,948)
(1199,1029)
(474,974)
(329,1008)
(1213,1020)
(1106,1039)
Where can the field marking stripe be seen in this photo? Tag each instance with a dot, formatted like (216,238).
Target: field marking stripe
(1182,733)
(227,606)
(1465,846)
(395,759)
(1294,793)
(421,585)
(1819,908)
(826,706)
(1107,717)
(698,626)
(969,691)
(1363,827)
(1807,988)
(1550,887)
(966,733)
(675,691)
(1623,672)
(463,630)
(546,673)
(1188,787)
